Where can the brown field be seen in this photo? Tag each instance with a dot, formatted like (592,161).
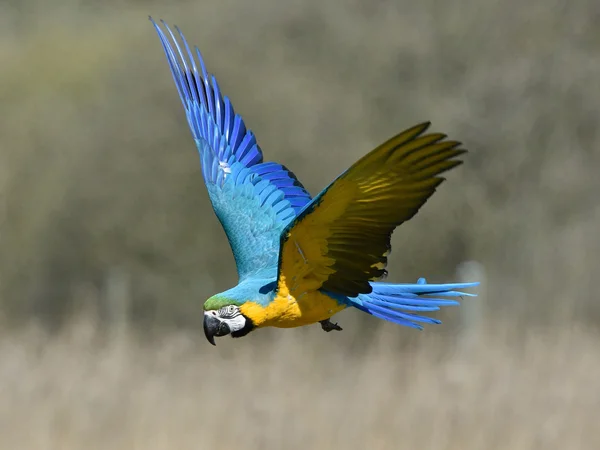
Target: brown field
(108,245)
(83,389)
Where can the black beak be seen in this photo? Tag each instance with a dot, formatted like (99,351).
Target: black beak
(214,327)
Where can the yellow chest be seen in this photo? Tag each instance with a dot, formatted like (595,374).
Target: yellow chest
(287,311)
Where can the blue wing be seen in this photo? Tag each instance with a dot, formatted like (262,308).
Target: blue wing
(253,200)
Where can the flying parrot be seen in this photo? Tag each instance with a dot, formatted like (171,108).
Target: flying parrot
(302,259)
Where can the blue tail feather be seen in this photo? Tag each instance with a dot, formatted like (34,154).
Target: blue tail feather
(388,301)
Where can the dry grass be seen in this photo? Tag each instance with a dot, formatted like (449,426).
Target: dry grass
(83,389)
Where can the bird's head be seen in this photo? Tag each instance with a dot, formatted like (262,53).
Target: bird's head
(222,317)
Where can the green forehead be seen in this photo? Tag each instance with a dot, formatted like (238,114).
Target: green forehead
(218,301)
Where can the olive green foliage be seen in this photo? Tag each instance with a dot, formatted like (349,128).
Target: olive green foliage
(99,173)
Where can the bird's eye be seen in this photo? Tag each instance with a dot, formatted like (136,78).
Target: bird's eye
(228,311)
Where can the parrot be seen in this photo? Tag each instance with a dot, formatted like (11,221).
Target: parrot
(301,259)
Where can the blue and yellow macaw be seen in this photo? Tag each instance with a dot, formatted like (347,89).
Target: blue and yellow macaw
(300,260)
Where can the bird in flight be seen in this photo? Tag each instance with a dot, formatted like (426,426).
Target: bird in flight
(302,259)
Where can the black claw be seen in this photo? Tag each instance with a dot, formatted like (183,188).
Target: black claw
(328,325)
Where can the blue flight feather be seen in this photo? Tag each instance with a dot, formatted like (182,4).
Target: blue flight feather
(388,300)
(253,200)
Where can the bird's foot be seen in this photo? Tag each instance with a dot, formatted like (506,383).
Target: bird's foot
(328,325)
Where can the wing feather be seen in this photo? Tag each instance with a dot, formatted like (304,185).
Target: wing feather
(253,200)
(341,240)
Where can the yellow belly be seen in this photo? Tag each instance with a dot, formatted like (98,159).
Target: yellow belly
(287,311)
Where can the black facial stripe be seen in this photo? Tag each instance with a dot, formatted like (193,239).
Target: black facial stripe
(228,312)
(248,327)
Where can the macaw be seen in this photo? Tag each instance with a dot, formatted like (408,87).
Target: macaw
(300,259)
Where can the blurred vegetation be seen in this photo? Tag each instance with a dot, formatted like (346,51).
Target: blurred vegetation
(104,220)
(76,390)
(100,176)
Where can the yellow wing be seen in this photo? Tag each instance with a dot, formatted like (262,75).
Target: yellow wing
(341,240)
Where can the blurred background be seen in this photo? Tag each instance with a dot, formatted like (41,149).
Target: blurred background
(109,245)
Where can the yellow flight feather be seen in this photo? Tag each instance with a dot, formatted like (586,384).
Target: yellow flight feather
(342,240)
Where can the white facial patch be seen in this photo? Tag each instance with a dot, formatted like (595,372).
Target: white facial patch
(231,315)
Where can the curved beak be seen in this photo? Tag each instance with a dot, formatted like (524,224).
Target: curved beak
(214,327)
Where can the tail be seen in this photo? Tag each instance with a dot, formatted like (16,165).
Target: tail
(388,301)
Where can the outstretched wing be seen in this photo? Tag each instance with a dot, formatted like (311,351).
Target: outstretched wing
(253,200)
(341,240)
